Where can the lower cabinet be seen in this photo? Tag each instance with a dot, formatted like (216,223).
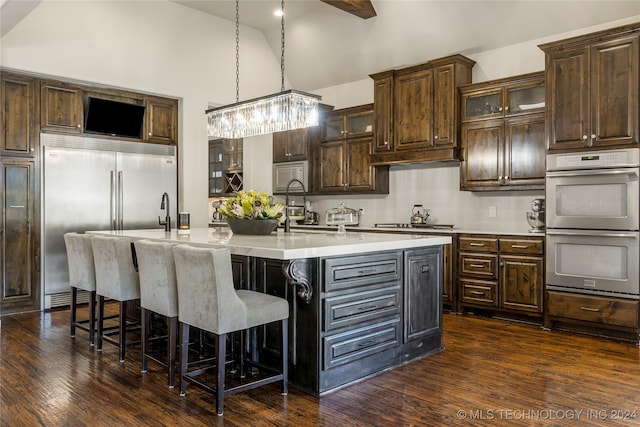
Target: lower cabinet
(598,315)
(19,237)
(502,273)
(367,313)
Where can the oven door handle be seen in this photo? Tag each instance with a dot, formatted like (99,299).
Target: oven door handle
(633,173)
(594,233)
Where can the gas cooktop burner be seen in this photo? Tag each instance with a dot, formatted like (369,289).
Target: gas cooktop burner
(409,225)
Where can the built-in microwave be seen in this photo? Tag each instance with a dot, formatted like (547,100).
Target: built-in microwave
(283,173)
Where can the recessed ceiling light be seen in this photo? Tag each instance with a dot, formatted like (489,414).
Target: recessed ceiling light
(278,13)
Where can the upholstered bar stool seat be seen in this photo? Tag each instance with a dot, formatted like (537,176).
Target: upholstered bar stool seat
(116,278)
(82,275)
(208,300)
(158,294)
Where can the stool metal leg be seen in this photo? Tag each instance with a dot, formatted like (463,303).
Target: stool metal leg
(184,357)
(100,321)
(122,339)
(92,317)
(172,325)
(145,327)
(72,309)
(285,356)
(221,348)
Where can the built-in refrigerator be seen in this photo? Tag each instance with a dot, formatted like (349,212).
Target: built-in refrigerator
(98,184)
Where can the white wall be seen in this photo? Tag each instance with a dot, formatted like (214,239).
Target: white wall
(154,47)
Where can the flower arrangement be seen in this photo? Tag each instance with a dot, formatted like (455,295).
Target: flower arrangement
(253,205)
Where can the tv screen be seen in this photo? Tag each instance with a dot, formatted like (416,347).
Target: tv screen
(114,118)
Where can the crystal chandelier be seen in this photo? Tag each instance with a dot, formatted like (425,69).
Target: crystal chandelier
(285,110)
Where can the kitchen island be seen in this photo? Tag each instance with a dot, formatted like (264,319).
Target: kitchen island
(359,303)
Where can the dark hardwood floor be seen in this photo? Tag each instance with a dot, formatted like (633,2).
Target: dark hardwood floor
(492,372)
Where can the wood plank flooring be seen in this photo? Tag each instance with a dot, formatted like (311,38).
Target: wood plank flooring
(492,372)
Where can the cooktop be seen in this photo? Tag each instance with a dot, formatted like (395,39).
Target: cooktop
(409,225)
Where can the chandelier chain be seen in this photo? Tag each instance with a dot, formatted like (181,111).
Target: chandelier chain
(237,50)
(282,46)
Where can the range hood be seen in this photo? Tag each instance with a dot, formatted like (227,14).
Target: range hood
(416,156)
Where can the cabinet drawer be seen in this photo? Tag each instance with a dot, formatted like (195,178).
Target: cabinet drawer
(361,270)
(610,311)
(480,265)
(356,344)
(522,246)
(359,307)
(478,244)
(479,292)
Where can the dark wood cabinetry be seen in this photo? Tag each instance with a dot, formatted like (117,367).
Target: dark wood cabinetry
(62,109)
(19,236)
(225,166)
(503,134)
(161,120)
(291,145)
(20,127)
(417,111)
(592,90)
(342,161)
(502,273)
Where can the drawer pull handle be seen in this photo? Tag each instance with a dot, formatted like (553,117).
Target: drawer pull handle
(16,206)
(520,246)
(476,265)
(367,307)
(367,271)
(476,293)
(476,244)
(589,309)
(366,343)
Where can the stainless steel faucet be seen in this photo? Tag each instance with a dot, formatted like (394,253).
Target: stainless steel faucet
(167,218)
(287,225)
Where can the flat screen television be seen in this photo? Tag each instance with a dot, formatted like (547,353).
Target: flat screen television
(106,117)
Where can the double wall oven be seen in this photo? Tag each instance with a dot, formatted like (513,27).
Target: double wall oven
(593,223)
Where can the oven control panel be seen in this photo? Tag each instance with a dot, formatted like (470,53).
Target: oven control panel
(594,159)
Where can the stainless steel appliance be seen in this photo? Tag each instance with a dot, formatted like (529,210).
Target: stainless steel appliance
(98,184)
(283,173)
(535,218)
(419,215)
(593,225)
(410,225)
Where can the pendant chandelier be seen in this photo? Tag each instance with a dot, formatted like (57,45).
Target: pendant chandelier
(285,110)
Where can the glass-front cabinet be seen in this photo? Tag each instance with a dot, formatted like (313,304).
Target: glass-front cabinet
(521,97)
(338,125)
(225,166)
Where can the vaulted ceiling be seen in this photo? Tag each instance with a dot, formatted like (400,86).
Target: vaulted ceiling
(326,46)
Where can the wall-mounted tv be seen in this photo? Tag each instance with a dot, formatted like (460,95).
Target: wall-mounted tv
(107,117)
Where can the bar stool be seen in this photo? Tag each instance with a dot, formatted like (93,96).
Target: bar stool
(116,278)
(208,300)
(82,275)
(158,294)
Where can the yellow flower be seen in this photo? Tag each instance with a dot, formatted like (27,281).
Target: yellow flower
(253,205)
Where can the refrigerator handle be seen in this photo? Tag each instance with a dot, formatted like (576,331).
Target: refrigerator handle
(113,206)
(120,202)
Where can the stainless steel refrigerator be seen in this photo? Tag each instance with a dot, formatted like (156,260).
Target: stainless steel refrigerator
(98,184)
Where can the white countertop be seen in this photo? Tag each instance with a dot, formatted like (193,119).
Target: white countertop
(286,246)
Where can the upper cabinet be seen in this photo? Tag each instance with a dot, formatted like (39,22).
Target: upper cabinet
(19,115)
(161,120)
(341,161)
(417,111)
(292,145)
(108,113)
(61,108)
(592,90)
(225,167)
(503,134)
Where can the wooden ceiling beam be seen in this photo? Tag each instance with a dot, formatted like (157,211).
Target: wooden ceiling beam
(361,8)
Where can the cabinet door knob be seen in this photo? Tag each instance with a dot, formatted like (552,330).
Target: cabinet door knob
(585,137)
(32,149)
(506,177)
(500,178)
(593,136)
(506,108)
(149,133)
(499,108)
(435,137)
(386,143)
(78,126)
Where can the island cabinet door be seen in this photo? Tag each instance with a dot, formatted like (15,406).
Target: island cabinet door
(423,270)
(270,276)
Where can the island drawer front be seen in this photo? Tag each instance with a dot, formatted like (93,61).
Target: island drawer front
(478,244)
(606,310)
(479,292)
(534,247)
(358,307)
(356,344)
(484,266)
(352,271)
